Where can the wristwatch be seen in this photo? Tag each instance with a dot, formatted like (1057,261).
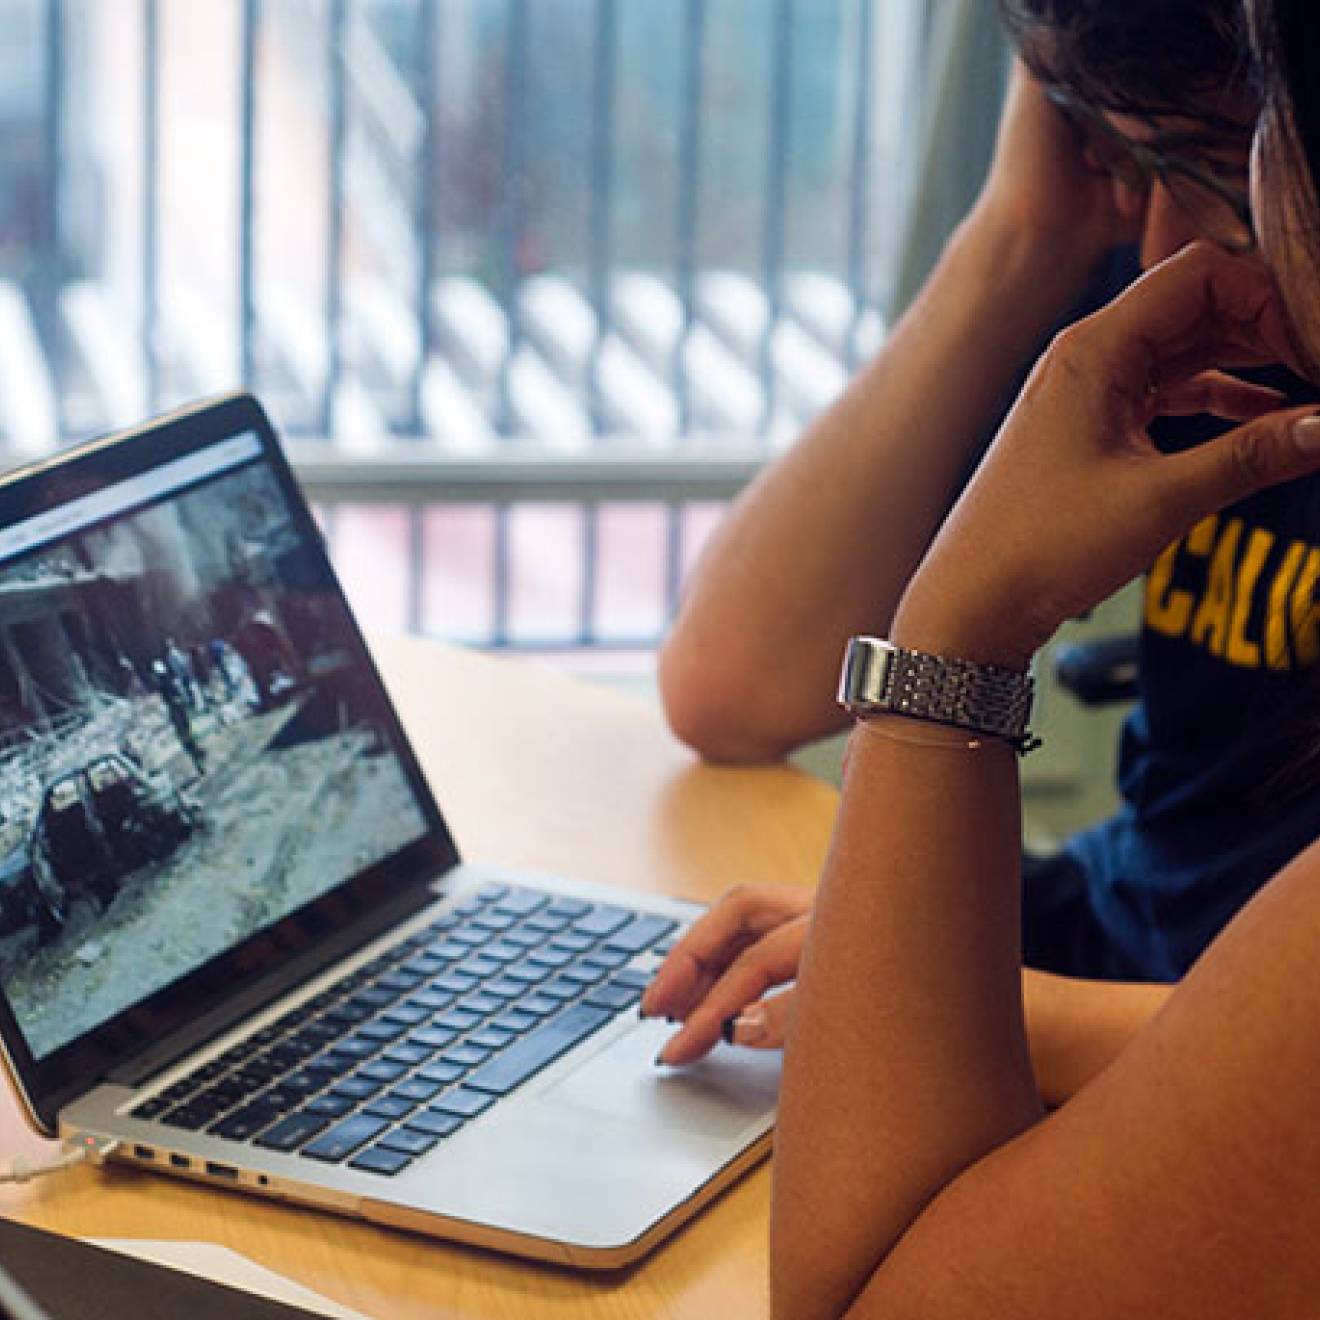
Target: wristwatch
(880,678)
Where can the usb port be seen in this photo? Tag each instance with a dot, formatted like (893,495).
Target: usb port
(222,1171)
(144,1152)
(181,1161)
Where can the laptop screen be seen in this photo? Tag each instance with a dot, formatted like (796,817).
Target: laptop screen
(194,746)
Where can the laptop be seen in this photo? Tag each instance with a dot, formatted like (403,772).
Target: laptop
(237,942)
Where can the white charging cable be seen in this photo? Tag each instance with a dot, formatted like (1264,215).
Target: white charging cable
(76,1150)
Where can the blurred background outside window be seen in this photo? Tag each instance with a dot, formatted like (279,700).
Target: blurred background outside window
(531,286)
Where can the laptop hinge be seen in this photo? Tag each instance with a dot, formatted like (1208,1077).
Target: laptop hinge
(235,1007)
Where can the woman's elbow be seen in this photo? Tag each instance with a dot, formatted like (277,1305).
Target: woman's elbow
(711,710)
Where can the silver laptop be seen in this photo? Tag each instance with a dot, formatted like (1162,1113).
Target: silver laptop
(237,943)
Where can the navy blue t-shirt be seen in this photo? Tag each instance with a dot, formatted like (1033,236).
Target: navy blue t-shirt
(1212,763)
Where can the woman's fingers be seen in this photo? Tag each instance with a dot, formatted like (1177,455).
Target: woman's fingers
(1279,447)
(762,1026)
(1200,309)
(771,961)
(1074,497)
(1216,393)
(737,919)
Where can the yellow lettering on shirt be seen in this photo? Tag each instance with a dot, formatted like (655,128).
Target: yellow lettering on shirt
(1276,611)
(1240,650)
(1201,539)
(1302,612)
(1210,626)
(1257,608)
(1169,611)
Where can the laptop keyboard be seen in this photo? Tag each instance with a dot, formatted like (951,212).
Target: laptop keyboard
(403,1052)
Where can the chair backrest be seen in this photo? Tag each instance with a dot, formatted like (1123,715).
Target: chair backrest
(1099,672)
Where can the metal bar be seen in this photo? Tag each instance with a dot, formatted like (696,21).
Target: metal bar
(859,210)
(776,187)
(337,66)
(396,474)
(513,218)
(151,199)
(416,567)
(689,196)
(549,646)
(602,197)
(590,577)
(427,178)
(909,27)
(247,315)
(50,275)
(329,518)
(499,627)
(673,559)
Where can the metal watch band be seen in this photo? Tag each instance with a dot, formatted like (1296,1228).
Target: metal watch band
(880,678)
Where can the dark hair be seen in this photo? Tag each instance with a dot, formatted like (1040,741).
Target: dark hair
(1146,57)
(1286,37)
(1286,34)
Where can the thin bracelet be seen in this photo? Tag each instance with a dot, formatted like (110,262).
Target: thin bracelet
(885,729)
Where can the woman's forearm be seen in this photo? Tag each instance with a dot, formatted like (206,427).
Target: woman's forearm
(907,1056)
(823,543)
(1077,1028)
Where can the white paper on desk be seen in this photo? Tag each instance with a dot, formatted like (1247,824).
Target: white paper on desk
(219,1264)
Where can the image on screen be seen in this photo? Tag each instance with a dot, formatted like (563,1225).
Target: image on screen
(188,749)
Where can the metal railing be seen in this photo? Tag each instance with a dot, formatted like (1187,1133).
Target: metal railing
(393,264)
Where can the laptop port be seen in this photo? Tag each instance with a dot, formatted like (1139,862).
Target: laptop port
(226,1171)
(181,1161)
(144,1152)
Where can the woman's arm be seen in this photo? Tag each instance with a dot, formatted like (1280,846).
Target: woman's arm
(907,1055)
(1077,1028)
(907,1073)
(822,544)
(722,981)
(1183,1183)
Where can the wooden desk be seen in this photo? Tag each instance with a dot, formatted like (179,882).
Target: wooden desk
(592,785)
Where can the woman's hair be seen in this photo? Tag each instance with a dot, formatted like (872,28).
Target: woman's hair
(1145,57)
(1286,34)
(1286,37)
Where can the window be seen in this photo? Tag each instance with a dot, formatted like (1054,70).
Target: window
(532,285)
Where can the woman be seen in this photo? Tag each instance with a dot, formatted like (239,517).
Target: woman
(1145,135)
(917,1170)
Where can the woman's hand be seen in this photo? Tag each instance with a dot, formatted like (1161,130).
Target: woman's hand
(1073,498)
(747,943)
(1046,191)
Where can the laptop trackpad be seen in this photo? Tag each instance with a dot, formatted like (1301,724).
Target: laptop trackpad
(719,1097)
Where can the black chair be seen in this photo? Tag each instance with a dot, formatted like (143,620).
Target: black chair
(1099,672)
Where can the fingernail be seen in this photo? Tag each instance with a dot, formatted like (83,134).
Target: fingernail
(1306,434)
(749,1027)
